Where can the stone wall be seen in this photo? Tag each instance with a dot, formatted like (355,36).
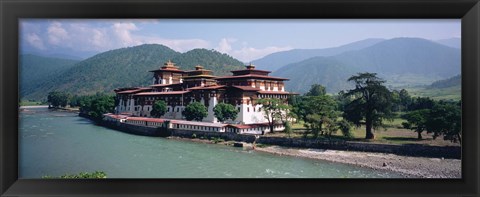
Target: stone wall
(208,135)
(406,149)
(138,129)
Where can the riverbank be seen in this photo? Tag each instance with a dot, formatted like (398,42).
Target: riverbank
(411,160)
(412,167)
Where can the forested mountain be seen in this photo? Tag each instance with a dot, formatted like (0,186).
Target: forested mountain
(318,70)
(34,70)
(405,55)
(402,61)
(277,60)
(128,67)
(220,64)
(446,83)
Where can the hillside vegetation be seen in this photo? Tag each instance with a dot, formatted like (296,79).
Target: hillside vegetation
(34,70)
(401,61)
(277,60)
(128,67)
(447,89)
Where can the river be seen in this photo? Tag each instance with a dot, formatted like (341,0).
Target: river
(55,143)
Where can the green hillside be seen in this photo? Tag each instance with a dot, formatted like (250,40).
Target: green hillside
(447,89)
(277,60)
(34,70)
(406,55)
(128,67)
(318,70)
(446,83)
(403,62)
(220,64)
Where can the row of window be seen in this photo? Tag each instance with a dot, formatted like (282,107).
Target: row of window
(203,128)
(273,96)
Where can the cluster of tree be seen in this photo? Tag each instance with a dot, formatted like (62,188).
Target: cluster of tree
(437,117)
(58,99)
(370,103)
(319,112)
(92,105)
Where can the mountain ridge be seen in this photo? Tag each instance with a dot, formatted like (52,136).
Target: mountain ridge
(400,61)
(277,60)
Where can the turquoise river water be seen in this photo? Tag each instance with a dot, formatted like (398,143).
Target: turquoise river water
(57,143)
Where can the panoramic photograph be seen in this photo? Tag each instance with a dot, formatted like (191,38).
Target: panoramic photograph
(240,98)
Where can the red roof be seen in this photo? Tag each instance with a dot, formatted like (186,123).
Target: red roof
(168,70)
(248,126)
(115,116)
(207,87)
(163,85)
(160,93)
(255,70)
(208,124)
(251,76)
(146,119)
(247,88)
(133,91)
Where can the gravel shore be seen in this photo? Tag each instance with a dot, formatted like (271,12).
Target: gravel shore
(411,167)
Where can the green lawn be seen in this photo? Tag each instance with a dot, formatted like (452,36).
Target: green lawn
(451,93)
(31,103)
(393,134)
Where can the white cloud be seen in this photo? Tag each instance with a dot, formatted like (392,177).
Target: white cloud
(247,54)
(123,33)
(84,36)
(225,45)
(56,33)
(34,40)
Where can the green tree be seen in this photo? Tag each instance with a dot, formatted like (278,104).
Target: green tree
(346,128)
(371,102)
(159,108)
(297,107)
(195,111)
(416,121)
(421,103)
(445,119)
(316,90)
(320,111)
(225,111)
(405,99)
(396,103)
(272,109)
(288,129)
(100,105)
(58,99)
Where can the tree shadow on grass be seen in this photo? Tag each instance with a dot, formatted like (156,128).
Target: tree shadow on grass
(403,139)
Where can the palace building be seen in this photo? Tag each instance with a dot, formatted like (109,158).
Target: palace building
(178,88)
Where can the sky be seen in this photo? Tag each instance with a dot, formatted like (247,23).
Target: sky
(243,39)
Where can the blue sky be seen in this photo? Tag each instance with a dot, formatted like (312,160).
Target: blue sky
(245,40)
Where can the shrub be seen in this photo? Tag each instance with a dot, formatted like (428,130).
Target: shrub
(81,175)
(346,128)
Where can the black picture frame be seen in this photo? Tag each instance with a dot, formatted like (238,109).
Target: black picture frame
(468,10)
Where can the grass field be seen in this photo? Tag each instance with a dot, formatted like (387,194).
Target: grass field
(393,134)
(451,93)
(31,103)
